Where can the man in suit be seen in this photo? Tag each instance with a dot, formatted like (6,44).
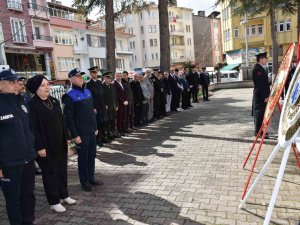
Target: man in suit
(122,103)
(261,90)
(204,82)
(174,89)
(193,79)
(130,111)
(96,88)
(138,99)
(149,82)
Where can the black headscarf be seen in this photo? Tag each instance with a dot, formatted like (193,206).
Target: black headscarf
(34,83)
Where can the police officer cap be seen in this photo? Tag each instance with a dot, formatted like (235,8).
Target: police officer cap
(8,74)
(94,68)
(261,55)
(107,74)
(75,72)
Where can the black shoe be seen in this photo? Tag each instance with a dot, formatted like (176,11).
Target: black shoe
(105,140)
(86,187)
(96,182)
(99,144)
(117,135)
(207,100)
(126,131)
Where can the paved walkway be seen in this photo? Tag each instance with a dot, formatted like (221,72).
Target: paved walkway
(185,169)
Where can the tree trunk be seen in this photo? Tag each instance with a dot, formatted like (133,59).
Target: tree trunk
(274,40)
(164,35)
(110,36)
(298,19)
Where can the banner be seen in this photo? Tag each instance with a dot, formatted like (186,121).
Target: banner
(290,117)
(279,83)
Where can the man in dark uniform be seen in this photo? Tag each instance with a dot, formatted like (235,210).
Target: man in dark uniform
(130,109)
(204,82)
(261,90)
(96,88)
(138,99)
(82,123)
(110,98)
(158,92)
(193,79)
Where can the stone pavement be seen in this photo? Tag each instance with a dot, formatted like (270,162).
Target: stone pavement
(185,169)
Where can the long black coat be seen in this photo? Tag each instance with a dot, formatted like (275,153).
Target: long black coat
(137,92)
(261,89)
(193,79)
(158,92)
(96,88)
(110,98)
(128,91)
(49,130)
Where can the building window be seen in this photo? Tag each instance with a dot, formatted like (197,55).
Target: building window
(171,14)
(174,55)
(18,30)
(236,32)
(156,55)
(96,41)
(144,44)
(141,15)
(152,56)
(142,29)
(153,42)
(64,37)
(248,31)
(132,45)
(188,28)
(15,5)
(66,15)
(152,28)
(66,64)
(172,28)
(173,40)
(100,62)
(288,25)
(145,57)
(281,26)
(280,50)
(120,64)
(260,31)
(253,30)
(189,41)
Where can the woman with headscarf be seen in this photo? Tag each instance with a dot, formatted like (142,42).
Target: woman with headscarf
(50,142)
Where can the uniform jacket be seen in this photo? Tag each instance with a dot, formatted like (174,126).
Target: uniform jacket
(110,98)
(16,136)
(204,79)
(79,111)
(193,79)
(261,89)
(96,88)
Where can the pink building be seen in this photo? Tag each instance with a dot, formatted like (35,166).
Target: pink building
(26,32)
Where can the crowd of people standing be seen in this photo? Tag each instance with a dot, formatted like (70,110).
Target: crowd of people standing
(36,128)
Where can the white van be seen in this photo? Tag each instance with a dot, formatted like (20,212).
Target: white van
(230,76)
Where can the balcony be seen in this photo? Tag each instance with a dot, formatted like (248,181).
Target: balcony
(180,46)
(39,11)
(174,19)
(180,60)
(121,51)
(42,41)
(120,26)
(177,32)
(15,5)
(20,39)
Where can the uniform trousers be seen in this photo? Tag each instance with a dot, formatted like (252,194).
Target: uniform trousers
(195,94)
(184,99)
(259,112)
(168,104)
(145,111)
(55,179)
(150,110)
(86,151)
(205,92)
(18,190)
(138,110)
(129,116)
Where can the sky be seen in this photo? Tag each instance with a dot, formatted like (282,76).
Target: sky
(196,5)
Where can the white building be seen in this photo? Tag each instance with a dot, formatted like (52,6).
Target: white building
(145,43)
(91,46)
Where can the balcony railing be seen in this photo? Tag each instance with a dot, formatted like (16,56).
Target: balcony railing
(42,37)
(15,5)
(20,39)
(38,7)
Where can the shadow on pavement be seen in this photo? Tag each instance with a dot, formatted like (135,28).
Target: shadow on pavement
(119,159)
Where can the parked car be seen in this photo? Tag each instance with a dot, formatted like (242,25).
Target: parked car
(230,76)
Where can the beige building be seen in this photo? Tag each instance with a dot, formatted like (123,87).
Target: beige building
(145,43)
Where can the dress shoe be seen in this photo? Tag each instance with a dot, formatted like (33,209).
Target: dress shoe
(58,208)
(117,135)
(126,131)
(105,140)
(68,200)
(86,187)
(96,182)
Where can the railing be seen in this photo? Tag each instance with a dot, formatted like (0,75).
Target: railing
(177,30)
(15,5)
(58,91)
(38,7)
(20,38)
(42,37)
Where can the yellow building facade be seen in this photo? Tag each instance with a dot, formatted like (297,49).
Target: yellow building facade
(258,29)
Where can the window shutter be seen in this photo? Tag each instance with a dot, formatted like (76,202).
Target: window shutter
(88,37)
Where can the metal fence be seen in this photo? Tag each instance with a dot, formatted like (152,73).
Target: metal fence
(58,91)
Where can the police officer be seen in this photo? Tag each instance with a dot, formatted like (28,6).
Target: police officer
(96,88)
(17,153)
(261,90)
(81,120)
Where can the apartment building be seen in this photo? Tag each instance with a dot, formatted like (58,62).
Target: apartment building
(207,39)
(27,43)
(145,43)
(258,28)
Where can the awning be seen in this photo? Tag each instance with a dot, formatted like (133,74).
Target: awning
(230,67)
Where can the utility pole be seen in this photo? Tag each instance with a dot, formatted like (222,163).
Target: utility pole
(246,40)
